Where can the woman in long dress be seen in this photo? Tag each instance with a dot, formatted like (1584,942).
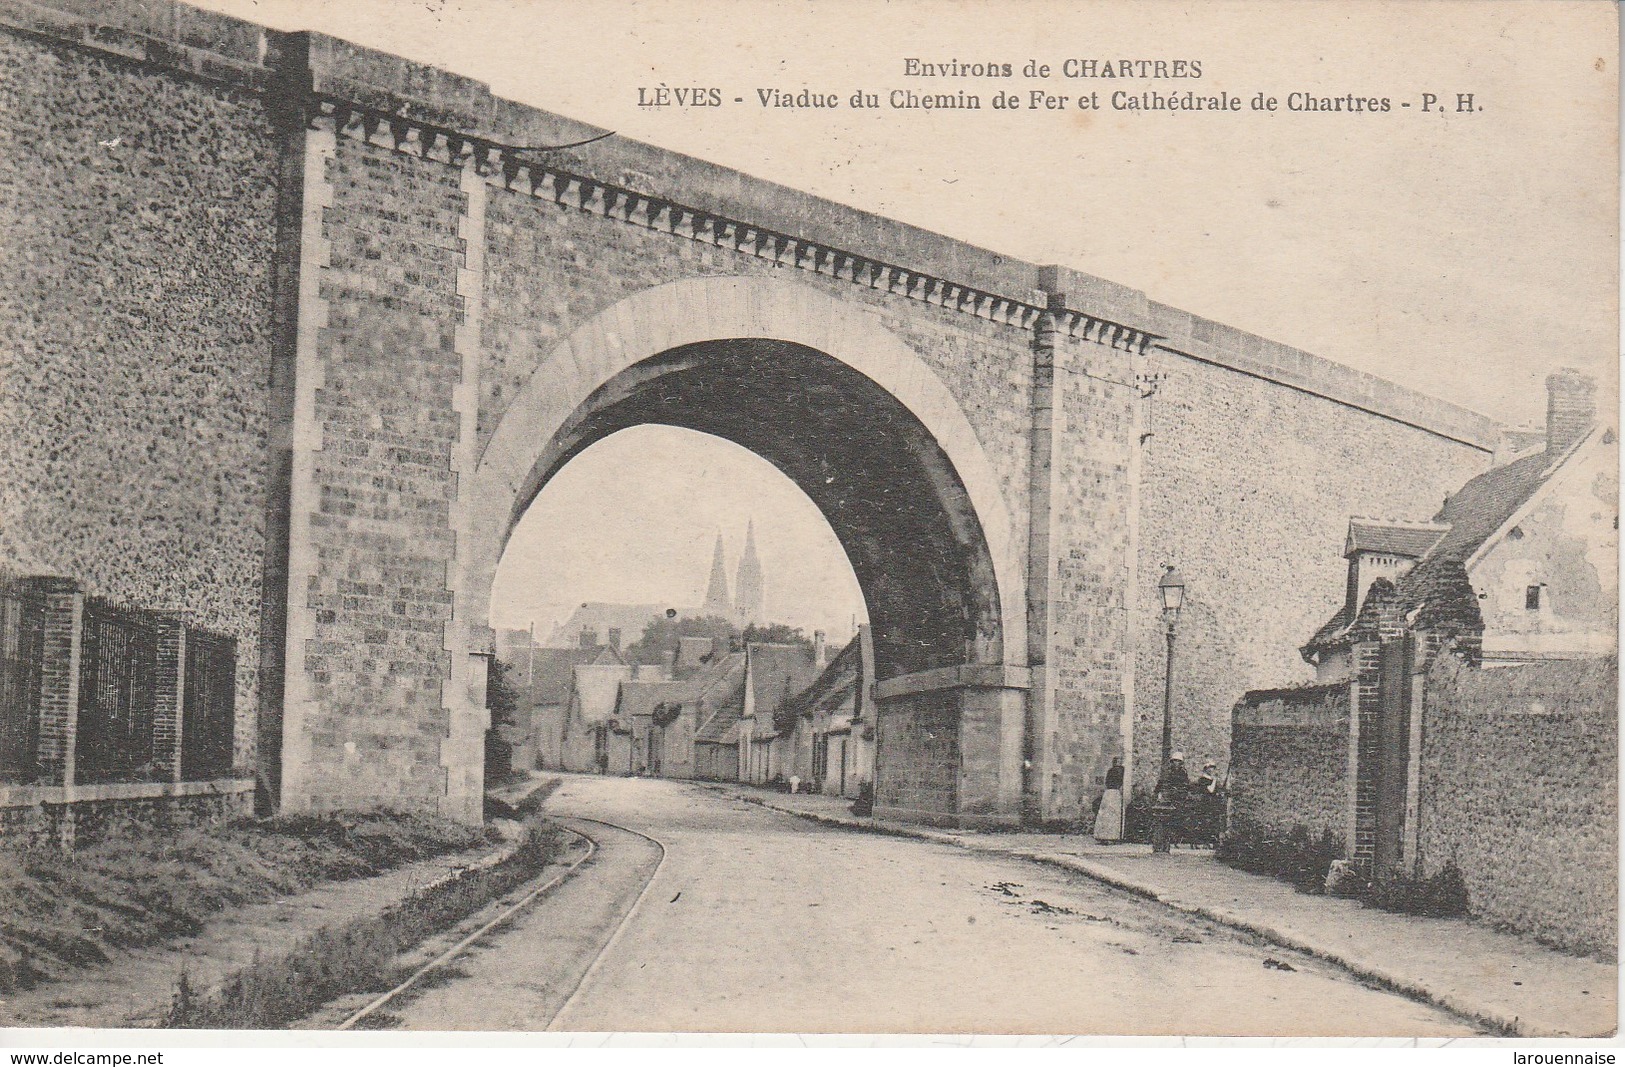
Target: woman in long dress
(1109,819)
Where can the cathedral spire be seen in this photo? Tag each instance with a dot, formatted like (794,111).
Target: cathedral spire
(717,600)
(751,605)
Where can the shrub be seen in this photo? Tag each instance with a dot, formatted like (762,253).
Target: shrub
(1296,858)
(1442,894)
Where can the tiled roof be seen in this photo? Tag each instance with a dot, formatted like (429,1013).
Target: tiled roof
(641,698)
(836,680)
(722,727)
(1488,501)
(1437,590)
(553,672)
(722,698)
(777,672)
(1408,539)
(599,618)
(1329,631)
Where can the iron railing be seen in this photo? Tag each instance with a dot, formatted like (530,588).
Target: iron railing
(22,648)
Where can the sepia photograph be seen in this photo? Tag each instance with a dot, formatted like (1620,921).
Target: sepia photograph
(734,517)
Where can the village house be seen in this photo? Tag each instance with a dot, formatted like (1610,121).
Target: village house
(660,717)
(1463,722)
(773,674)
(719,705)
(1520,564)
(545,702)
(830,725)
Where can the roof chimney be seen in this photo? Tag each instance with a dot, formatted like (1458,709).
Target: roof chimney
(818,648)
(1571,408)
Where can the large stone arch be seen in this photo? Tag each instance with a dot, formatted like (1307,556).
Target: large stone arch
(710,333)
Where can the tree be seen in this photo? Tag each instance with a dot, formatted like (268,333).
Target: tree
(776,633)
(502,698)
(661,636)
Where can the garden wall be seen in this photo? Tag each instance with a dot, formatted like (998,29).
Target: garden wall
(1520,790)
(1289,759)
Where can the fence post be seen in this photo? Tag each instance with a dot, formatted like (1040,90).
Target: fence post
(63,601)
(169,703)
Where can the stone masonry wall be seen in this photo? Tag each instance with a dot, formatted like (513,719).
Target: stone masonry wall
(917,764)
(1091,500)
(1520,790)
(383,480)
(136,236)
(552,268)
(1289,761)
(1247,488)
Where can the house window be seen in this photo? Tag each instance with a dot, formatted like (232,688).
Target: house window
(1531,598)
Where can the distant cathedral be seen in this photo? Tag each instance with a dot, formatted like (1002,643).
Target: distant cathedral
(751,604)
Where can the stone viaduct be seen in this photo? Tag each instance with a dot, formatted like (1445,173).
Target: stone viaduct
(297,330)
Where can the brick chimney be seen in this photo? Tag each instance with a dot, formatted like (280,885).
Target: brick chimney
(1571,408)
(818,648)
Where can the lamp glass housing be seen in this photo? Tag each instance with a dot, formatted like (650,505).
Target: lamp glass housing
(1172,588)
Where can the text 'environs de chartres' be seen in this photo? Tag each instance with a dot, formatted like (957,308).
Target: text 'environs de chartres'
(1069,68)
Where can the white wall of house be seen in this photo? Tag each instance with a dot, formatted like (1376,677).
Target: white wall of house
(1548,583)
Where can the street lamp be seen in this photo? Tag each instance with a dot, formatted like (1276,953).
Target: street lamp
(1172,590)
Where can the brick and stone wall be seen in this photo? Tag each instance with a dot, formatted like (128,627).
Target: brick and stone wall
(1289,762)
(1520,789)
(380,487)
(918,753)
(136,237)
(53,815)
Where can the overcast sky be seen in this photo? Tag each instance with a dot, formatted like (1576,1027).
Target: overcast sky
(1464,255)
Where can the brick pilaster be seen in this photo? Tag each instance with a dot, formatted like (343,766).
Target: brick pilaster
(1365,711)
(304,440)
(463,696)
(169,702)
(64,605)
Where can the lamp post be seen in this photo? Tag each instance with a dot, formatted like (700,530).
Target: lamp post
(1172,590)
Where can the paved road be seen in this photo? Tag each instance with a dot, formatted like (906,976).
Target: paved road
(759,921)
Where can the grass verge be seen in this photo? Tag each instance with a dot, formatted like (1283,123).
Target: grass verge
(361,955)
(143,881)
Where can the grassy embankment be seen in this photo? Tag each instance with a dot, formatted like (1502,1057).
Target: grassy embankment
(142,882)
(364,955)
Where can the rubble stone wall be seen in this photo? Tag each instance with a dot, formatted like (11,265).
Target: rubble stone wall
(1520,791)
(1289,756)
(137,226)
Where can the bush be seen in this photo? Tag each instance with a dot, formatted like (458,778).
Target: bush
(1441,895)
(1137,821)
(1297,858)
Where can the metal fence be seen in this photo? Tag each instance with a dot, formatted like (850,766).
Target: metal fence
(22,645)
(118,693)
(131,684)
(210,706)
